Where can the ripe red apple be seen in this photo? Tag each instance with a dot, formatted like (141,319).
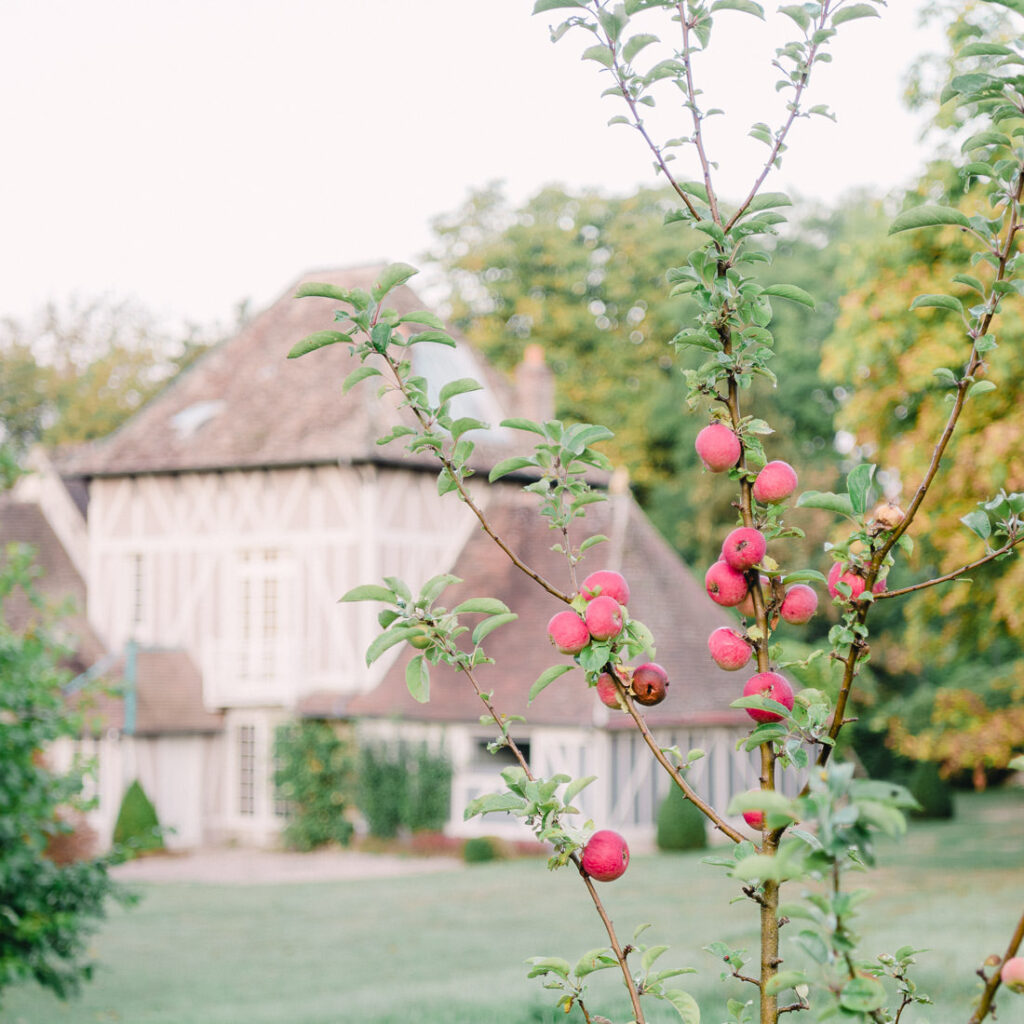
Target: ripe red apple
(607,692)
(746,606)
(773,686)
(606,583)
(568,632)
(649,684)
(725,585)
(744,548)
(728,649)
(776,482)
(755,819)
(1012,974)
(605,856)
(799,604)
(841,573)
(718,447)
(604,618)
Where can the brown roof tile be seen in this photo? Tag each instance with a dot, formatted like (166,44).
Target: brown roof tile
(664,595)
(244,404)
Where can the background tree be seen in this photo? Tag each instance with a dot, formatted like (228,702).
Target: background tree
(48,908)
(76,370)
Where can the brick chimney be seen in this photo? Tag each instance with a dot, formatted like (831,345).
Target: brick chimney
(535,386)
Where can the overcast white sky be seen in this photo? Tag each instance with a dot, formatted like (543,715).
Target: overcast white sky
(195,153)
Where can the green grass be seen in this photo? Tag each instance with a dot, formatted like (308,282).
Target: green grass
(450,948)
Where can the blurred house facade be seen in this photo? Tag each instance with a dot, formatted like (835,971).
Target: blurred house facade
(208,541)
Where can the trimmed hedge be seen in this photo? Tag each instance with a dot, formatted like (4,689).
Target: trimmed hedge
(681,825)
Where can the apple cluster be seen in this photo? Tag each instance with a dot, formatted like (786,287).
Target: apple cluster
(604,596)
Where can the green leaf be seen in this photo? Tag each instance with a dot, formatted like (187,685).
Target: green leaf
(369,592)
(437,337)
(825,499)
(635,45)
(985,50)
(980,387)
(424,317)
(417,679)
(650,955)
(507,466)
(594,960)
(804,576)
(464,424)
(978,522)
(575,788)
(858,483)
(597,538)
(600,53)
(784,980)
(388,640)
(686,1006)
(432,589)
(317,340)
(357,375)
(764,868)
(321,290)
(767,201)
(549,965)
(862,995)
(791,292)
(938,302)
(492,623)
(391,277)
(985,139)
(481,605)
(928,217)
(745,6)
(845,14)
(458,387)
(521,424)
(546,678)
(492,802)
(554,5)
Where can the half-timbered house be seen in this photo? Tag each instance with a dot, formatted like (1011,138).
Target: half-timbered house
(215,531)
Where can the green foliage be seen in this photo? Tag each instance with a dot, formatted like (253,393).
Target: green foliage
(481,849)
(931,791)
(75,372)
(313,775)
(137,827)
(681,825)
(49,909)
(403,786)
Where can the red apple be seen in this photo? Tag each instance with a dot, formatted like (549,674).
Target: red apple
(775,483)
(1012,974)
(718,447)
(568,632)
(606,583)
(744,548)
(608,692)
(725,585)
(841,573)
(755,819)
(773,686)
(799,604)
(604,618)
(605,856)
(728,649)
(649,683)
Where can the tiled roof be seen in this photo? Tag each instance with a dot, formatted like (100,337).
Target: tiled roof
(243,404)
(664,595)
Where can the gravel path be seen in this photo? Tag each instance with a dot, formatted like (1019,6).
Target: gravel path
(268,867)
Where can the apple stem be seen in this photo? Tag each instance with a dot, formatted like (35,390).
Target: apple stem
(985,1003)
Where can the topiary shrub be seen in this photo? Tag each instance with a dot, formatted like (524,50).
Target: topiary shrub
(680,824)
(429,793)
(314,776)
(481,849)
(931,791)
(137,828)
(403,787)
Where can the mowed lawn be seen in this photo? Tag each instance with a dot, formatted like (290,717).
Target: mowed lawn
(450,948)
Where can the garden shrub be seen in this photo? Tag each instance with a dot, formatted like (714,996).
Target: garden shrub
(680,824)
(931,791)
(314,775)
(402,787)
(481,849)
(137,827)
